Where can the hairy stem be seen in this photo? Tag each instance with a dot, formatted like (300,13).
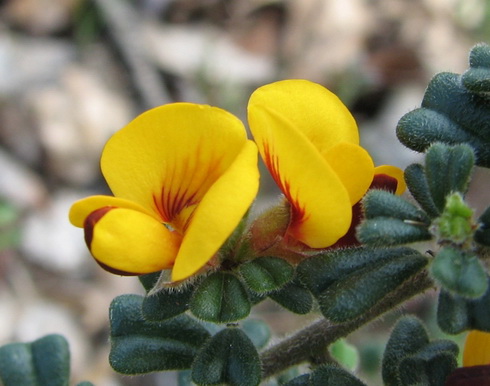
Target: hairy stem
(319,335)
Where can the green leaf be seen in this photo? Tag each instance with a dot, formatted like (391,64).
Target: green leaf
(385,231)
(448,170)
(348,299)
(410,359)
(333,375)
(149,280)
(166,303)
(429,366)
(139,346)
(294,297)
(266,274)
(408,336)
(345,353)
(380,203)
(419,188)
(459,272)
(45,361)
(456,314)
(422,127)
(229,357)
(302,380)
(321,271)
(477,77)
(220,298)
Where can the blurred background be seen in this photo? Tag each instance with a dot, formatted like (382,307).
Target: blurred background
(72,72)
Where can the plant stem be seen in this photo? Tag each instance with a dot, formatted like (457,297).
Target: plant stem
(320,334)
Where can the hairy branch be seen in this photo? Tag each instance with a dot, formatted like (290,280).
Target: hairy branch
(319,335)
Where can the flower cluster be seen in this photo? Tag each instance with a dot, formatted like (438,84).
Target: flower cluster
(184,175)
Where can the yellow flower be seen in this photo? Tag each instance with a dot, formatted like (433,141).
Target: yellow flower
(309,141)
(183,176)
(476,362)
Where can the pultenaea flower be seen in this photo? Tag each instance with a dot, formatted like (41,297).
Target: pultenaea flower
(476,362)
(309,141)
(183,176)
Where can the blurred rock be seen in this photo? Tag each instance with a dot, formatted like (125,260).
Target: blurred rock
(51,241)
(75,118)
(40,17)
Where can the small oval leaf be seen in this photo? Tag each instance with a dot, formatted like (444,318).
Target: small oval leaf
(266,274)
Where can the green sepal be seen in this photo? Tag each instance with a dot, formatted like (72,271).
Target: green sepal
(419,188)
(380,203)
(139,346)
(45,361)
(446,94)
(294,297)
(348,299)
(149,280)
(230,358)
(220,298)
(166,303)
(258,331)
(422,127)
(266,274)
(459,272)
(456,314)
(385,231)
(430,365)
(448,170)
(482,234)
(323,270)
(411,359)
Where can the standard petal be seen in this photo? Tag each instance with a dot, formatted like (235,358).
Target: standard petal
(167,158)
(129,242)
(321,207)
(309,108)
(477,349)
(82,208)
(354,167)
(219,213)
(394,172)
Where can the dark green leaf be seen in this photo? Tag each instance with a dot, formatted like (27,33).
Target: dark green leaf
(459,272)
(348,299)
(229,357)
(332,375)
(448,169)
(45,361)
(417,184)
(384,231)
(380,203)
(220,298)
(139,346)
(321,271)
(166,303)
(266,274)
(294,297)
(482,234)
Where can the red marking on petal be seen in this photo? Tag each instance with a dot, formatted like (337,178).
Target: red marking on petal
(350,238)
(116,271)
(470,376)
(385,182)
(91,220)
(272,162)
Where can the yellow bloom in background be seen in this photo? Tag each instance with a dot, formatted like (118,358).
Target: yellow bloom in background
(309,141)
(183,176)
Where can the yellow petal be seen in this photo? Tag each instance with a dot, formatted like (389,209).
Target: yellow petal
(321,207)
(310,109)
(354,167)
(477,349)
(167,158)
(82,208)
(219,213)
(126,241)
(394,172)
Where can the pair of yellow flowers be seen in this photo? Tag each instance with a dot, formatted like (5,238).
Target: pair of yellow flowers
(183,176)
